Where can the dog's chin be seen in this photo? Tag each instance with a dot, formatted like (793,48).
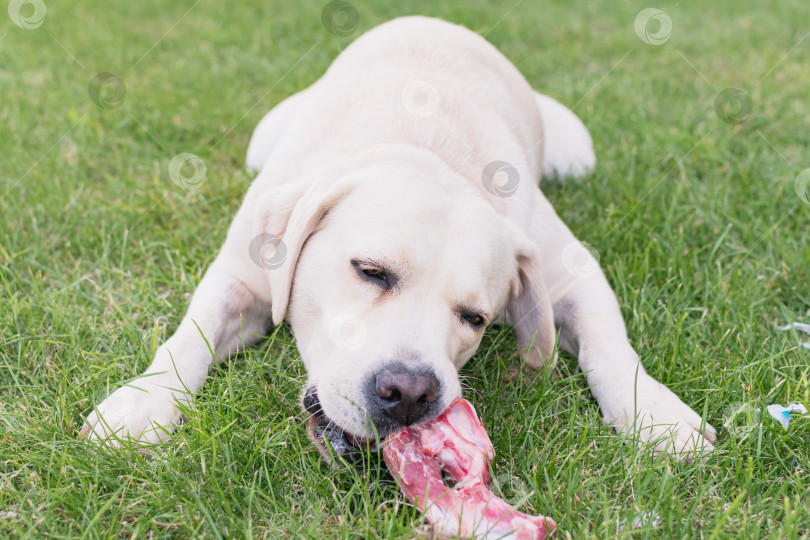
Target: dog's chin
(334,443)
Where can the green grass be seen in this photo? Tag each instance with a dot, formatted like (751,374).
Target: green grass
(697,223)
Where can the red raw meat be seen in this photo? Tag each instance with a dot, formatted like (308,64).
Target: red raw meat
(457,443)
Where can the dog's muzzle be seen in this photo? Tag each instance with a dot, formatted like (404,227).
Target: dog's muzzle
(331,440)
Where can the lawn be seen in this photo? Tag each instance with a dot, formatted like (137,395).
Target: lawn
(698,211)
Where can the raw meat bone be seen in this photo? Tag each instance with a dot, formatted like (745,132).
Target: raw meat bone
(457,443)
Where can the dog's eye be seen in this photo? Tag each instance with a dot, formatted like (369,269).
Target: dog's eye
(374,273)
(475,320)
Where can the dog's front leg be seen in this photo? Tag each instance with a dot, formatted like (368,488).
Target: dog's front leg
(591,328)
(224,314)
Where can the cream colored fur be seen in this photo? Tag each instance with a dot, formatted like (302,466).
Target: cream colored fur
(389,157)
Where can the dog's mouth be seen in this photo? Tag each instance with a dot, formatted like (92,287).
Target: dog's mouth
(332,440)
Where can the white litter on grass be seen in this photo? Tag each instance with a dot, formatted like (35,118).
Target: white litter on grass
(647,518)
(804,327)
(782,414)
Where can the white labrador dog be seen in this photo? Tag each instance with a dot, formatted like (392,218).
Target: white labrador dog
(397,214)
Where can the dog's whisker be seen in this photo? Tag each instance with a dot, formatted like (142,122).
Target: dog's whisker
(308,418)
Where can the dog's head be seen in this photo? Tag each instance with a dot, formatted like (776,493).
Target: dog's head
(390,276)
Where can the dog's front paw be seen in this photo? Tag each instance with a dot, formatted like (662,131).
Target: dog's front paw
(146,414)
(648,411)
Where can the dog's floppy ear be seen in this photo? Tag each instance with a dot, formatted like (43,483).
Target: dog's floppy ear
(286,216)
(529,308)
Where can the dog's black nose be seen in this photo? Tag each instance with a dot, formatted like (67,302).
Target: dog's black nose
(405,394)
